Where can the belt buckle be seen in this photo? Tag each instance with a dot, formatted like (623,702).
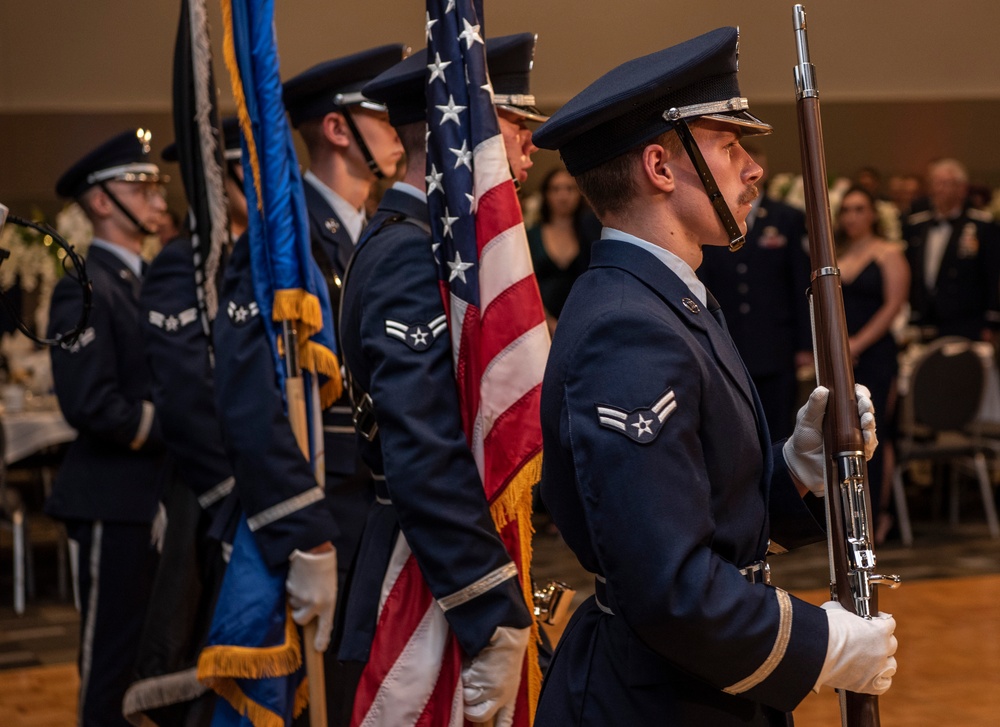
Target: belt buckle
(552,602)
(363,417)
(762,567)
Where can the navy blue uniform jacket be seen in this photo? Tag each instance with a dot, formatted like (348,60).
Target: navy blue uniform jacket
(762,288)
(349,485)
(660,477)
(183,390)
(112,471)
(430,476)
(285,508)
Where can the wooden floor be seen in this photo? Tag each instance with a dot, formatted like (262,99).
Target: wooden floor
(949,657)
(949,665)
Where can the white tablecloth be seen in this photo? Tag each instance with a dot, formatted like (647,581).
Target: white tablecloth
(27,432)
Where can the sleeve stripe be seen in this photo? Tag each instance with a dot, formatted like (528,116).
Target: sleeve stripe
(213,495)
(283,509)
(487,582)
(145,425)
(777,651)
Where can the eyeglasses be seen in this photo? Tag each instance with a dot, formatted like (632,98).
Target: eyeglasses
(150,191)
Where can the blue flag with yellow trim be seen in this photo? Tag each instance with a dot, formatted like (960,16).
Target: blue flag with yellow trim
(288,284)
(253,659)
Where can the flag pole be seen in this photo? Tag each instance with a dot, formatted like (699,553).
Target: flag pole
(295,395)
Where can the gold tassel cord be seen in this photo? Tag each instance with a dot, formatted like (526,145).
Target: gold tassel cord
(513,504)
(229,52)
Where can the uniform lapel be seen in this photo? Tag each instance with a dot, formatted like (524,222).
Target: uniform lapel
(661,280)
(117,268)
(328,229)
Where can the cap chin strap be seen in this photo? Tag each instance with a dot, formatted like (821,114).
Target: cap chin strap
(125,210)
(369,159)
(736,237)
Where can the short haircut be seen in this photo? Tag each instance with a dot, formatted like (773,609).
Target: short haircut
(413,137)
(312,134)
(953,165)
(611,186)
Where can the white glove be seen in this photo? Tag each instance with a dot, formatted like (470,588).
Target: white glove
(158,530)
(804,449)
(859,653)
(491,678)
(312,591)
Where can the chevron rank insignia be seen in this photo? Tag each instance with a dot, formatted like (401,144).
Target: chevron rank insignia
(418,336)
(640,425)
(83,340)
(173,323)
(239,314)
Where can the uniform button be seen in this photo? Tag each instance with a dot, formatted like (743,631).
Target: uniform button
(744,308)
(741,268)
(743,288)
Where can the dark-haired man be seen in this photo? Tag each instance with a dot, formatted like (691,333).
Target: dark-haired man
(658,466)
(429,495)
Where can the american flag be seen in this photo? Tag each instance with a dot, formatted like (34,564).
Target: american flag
(499,342)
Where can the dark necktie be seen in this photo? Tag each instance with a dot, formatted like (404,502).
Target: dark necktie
(715,309)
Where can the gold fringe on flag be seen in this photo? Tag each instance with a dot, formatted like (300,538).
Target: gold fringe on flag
(229,52)
(296,304)
(514,503)
(220,666)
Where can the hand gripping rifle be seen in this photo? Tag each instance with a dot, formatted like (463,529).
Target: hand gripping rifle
(853,579)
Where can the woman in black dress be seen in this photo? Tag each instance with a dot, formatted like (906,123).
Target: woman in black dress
(560,248)
(876,281)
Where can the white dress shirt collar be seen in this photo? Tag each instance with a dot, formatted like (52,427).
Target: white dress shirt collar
(407,188)
(680,268)
(352,219)
(133,260)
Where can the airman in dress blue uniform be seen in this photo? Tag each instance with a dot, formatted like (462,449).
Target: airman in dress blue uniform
(108,487)
(398,354)
(658,467)
(351,145)
(954,253)
(198,498)
(290,515)
(762,288)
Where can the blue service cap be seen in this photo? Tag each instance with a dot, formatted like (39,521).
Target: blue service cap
(640,99)
(402,88)
(124,157)
(231,150)
(332,85)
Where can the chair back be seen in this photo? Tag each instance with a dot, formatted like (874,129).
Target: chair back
(946,386)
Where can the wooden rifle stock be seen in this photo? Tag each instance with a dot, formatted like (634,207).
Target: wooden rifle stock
(848,502)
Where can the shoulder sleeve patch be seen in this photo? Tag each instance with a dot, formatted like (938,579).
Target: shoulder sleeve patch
(418,336)
(641,425)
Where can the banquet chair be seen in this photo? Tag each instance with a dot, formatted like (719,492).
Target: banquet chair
(936,423)
(12,517)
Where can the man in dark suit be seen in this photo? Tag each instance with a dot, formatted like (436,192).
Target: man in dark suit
(429,495)
(658,466)
(762,288)
(351,145)
(107,490)
(954,253)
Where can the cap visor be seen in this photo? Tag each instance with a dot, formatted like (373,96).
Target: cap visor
(750,124)
(531,113)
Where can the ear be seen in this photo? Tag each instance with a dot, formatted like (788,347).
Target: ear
(657,168)
(97,202)
(336,130)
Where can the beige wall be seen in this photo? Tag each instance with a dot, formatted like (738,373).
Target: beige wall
(901,81)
